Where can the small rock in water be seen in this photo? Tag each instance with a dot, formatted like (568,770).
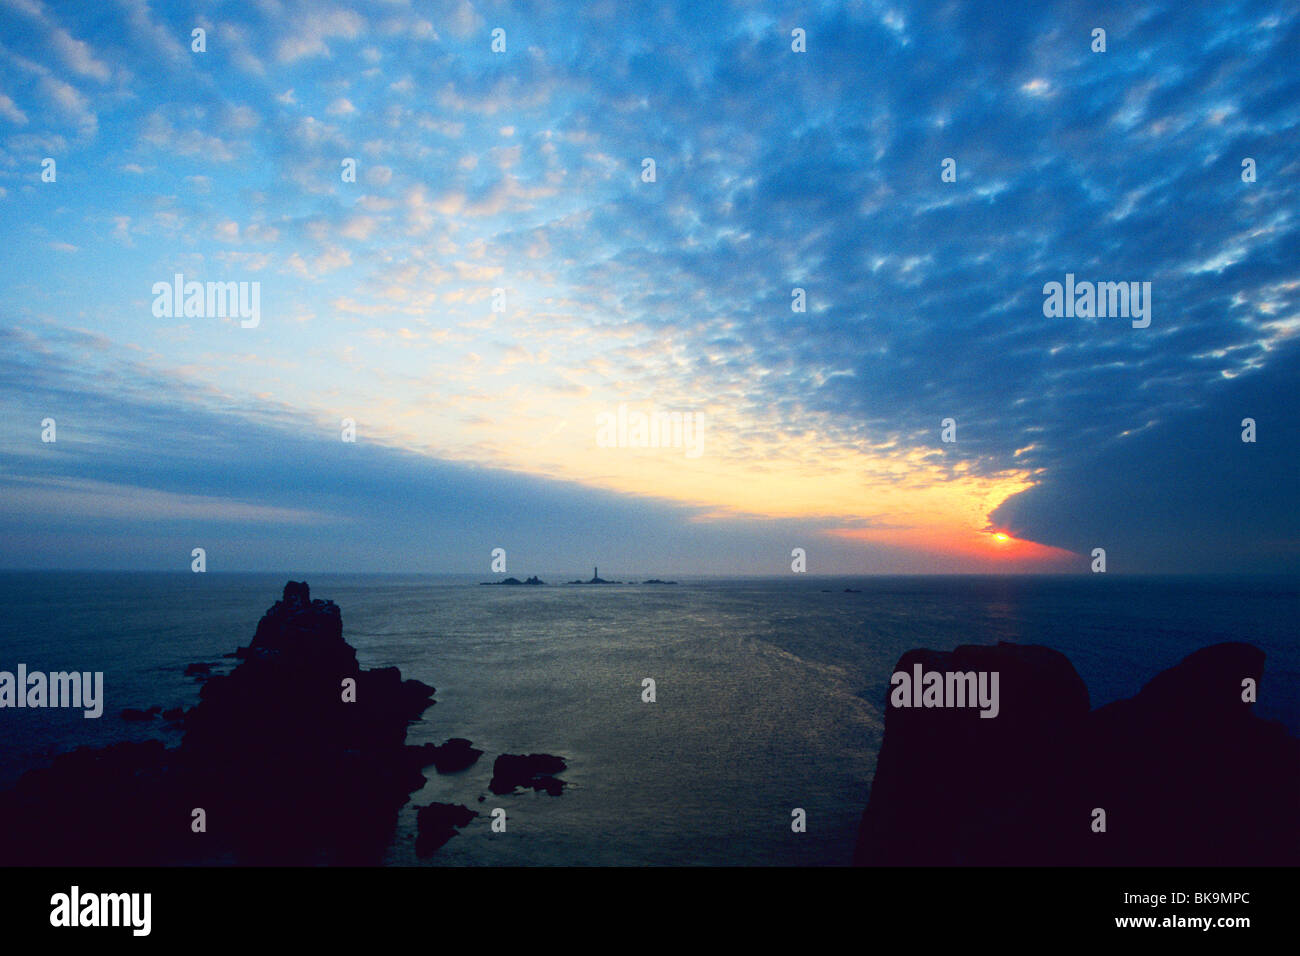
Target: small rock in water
(512,771)
(453,756)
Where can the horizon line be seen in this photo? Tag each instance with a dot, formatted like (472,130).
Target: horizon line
(711,575)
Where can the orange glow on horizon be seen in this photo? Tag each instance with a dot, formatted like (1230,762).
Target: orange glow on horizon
(1006,551)
(895,498)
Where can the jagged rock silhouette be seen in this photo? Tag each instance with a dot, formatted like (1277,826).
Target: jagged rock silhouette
(285,770)
(455,755)
(437,823)
(1187,774)
(513,772)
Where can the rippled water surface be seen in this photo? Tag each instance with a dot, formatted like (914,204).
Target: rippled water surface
(769,692)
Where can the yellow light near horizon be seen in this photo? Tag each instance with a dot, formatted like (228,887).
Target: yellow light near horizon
(884,497)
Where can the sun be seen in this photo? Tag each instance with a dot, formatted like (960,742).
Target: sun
(1002,537)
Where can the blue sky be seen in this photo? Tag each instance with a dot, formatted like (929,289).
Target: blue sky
(514,180)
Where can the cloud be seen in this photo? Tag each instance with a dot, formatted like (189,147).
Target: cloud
(159,132)
(71,103)
(1188,494)
(76,54)
(151,34)
(81,498)
(307,35)
(776,171)
(11,112)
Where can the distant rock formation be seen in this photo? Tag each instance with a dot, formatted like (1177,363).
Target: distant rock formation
(534,580)
(514,771)
(1187,775)
(595,578)
(455,755)
(297,756)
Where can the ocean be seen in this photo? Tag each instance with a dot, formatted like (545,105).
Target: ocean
(768,692)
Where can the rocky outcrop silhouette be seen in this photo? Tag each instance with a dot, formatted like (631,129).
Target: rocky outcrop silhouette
(297,756)
(437,823)
(455,755)
(1185,772)
(595,578)
(522,771)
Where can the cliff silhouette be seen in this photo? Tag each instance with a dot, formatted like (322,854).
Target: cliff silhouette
(1186,773)
(286,770)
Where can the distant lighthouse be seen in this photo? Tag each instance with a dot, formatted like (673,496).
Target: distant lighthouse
(595,572)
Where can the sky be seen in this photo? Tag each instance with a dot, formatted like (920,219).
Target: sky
(734,212)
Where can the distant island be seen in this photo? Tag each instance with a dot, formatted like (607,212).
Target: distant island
(595,578)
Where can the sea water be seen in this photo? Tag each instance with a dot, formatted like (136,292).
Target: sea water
(769,693)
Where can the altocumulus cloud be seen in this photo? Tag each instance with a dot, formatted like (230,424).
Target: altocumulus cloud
(775,170)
